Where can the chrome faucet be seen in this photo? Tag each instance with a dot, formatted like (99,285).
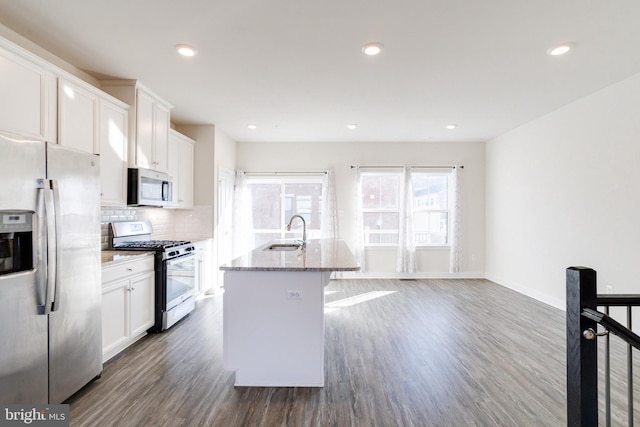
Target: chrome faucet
(304,228)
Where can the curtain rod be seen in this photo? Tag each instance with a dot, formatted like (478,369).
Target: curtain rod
(413,167)
(285,173)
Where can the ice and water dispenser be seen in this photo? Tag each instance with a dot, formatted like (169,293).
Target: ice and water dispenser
(16,241)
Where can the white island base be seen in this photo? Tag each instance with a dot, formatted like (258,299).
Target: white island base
(274,327)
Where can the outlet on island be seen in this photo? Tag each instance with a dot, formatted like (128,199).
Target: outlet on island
(294,294)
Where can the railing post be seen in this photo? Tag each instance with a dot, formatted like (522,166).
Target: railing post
(582,356)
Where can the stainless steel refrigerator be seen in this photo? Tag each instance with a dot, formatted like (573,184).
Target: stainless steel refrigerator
(50,321)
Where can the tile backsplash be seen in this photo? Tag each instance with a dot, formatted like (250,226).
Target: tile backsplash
(176,224)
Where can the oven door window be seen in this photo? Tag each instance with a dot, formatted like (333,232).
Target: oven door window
(181,279)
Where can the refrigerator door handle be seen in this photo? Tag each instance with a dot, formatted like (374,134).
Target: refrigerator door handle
(41,251)
(48,253)
(55,193)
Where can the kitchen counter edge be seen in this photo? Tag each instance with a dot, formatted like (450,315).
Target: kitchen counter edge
(340,258)
(110,257)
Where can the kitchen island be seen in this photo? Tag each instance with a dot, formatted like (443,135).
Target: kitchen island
(273,321)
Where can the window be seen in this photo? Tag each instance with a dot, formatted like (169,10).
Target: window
(275,199)
(381,208)
(430,208)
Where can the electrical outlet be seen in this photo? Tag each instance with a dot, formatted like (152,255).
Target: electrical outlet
(294,294)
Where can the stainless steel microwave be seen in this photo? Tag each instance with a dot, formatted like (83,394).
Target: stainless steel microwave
(148,188)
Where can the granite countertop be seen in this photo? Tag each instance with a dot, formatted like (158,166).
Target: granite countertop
(112,257)
(319,255)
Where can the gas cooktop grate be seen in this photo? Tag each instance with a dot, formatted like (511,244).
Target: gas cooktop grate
(152,244)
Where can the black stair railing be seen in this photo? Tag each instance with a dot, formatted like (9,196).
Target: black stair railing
(583,319)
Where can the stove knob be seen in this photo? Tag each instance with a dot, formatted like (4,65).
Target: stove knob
(173,253)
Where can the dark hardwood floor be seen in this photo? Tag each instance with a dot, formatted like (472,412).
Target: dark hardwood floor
(398,353)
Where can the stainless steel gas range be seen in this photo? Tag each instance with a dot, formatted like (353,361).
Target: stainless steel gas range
(174,269)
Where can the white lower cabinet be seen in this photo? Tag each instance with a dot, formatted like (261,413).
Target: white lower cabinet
(203,266)
(128,298)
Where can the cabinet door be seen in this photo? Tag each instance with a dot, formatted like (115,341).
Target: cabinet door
(174,168)
(113,154)
(199,276)
(203,262)
(142,293)
(161,137)
(115,325)
(77,117)
(144,131)
(27,98)
(185,184)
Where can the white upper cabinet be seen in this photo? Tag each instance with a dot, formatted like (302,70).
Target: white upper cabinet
(181,151)
(93,121)
(40,101)
(145,155)
(113,125)
(149,120)
(27,95)
(161,136)
(77,117)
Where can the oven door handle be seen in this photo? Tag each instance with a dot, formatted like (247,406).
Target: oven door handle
(180,259)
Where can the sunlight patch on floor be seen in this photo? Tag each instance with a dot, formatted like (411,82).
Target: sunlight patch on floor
(357,299)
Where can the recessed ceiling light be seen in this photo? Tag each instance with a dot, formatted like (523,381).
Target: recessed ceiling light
(372,49)
(252,127)
(186,50)
(352,126)
(451,126)
(560,49)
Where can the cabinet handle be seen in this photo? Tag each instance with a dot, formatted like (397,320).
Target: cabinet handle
(129,269)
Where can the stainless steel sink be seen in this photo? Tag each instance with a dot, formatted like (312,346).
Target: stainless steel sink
(283,247)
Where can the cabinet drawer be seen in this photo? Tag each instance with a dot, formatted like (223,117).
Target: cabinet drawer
(127,269)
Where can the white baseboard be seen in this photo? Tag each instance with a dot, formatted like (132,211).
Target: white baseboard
(419,275)
(533,293)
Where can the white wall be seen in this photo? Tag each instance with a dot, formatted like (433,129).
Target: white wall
(339,157)
(28,45)
(563,191)
(214,151)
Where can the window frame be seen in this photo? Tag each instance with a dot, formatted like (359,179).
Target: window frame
(447,211)
(282,181)
(395,210)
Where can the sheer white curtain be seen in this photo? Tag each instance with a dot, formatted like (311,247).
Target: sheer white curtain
(359,246)
(455,258)
(406,256)
(329,210)
(243,240)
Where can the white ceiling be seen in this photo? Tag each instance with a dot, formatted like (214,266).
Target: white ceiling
(295,67)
